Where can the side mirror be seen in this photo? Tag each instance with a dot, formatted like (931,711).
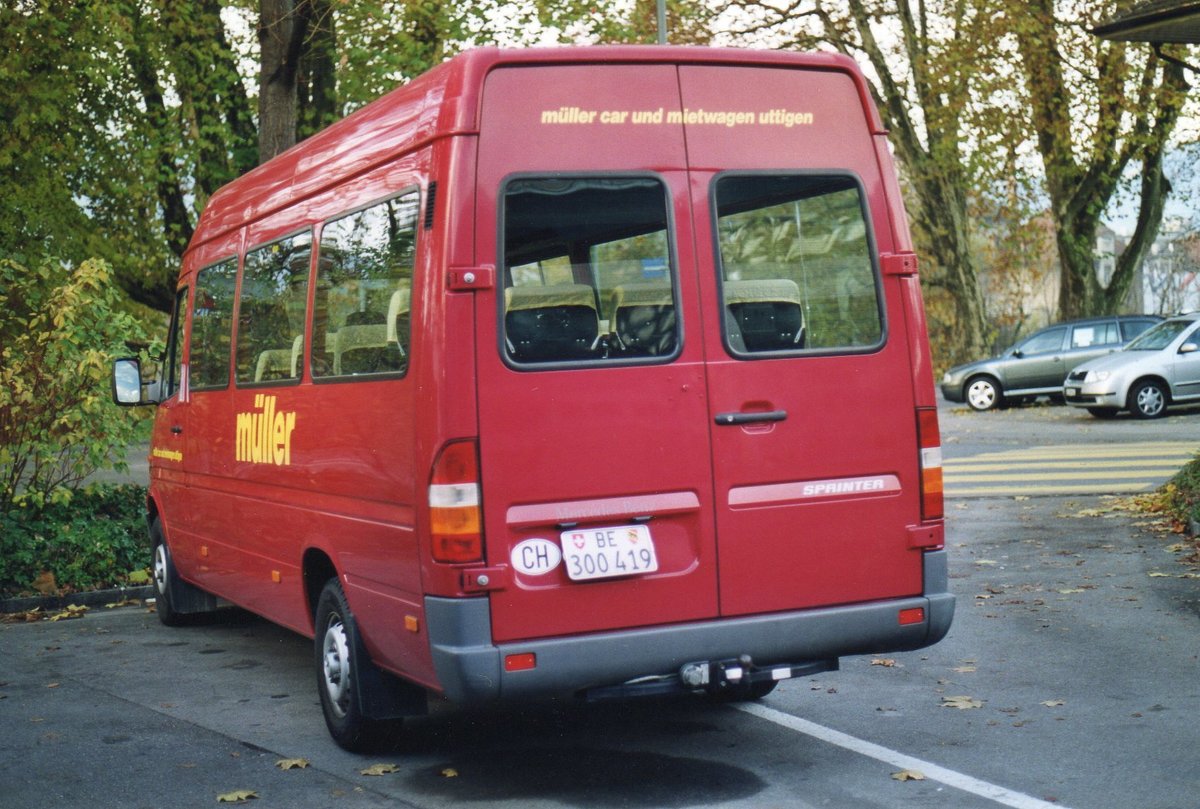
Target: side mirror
(127,382)
(1018,353)
(1189,347)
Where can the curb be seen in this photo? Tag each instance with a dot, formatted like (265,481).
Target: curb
(91,598)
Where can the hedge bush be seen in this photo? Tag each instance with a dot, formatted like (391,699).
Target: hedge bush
(94,539)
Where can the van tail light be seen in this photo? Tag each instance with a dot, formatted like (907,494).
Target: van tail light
(931,463)
(455,522)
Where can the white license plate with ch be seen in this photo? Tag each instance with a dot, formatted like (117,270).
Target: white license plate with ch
(604,553)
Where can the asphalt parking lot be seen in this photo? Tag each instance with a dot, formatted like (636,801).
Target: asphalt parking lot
(1070,678)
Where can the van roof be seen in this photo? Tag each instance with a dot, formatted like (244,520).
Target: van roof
(442,102)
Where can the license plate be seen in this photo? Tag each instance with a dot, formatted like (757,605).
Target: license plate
(604,553)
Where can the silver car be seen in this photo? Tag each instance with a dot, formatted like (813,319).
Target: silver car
(1159,368)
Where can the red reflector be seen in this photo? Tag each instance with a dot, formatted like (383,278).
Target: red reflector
(521,662)
(914,615)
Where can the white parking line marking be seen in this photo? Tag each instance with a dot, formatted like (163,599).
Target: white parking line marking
(966,783)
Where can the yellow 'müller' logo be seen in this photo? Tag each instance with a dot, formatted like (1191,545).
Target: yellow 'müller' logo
(265,435)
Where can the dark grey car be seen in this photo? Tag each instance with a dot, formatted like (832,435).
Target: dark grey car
(1037,365)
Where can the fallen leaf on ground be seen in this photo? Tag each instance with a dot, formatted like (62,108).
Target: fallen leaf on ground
(1069,590)
(886,662)
(965,669)
(292,763)
(962,703)
(909,775)
(72,611)
(127,602)
(449,772)
(380,769)
(237,796)
(1053,703)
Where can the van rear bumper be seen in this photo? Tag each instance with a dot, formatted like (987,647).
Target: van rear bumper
(470,667)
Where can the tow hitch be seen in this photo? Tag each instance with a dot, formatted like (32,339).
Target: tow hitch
(734,677)
(740,676)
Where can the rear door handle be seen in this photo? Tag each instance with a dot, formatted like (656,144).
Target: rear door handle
(750,418)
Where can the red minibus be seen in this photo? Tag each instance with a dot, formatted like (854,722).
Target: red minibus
(589,371)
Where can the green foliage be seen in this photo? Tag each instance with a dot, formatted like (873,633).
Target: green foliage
(60,329)
(1180,498)
(96,540)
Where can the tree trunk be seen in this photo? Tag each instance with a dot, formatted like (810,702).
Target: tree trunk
(280,36)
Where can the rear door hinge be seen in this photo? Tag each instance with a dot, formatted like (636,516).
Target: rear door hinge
(465,279)
(898,263)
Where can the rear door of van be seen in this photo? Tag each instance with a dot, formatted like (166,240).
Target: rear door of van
(593,411)
(813,419)
(690,349)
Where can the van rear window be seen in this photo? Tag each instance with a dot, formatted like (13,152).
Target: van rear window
(587,270)
(795,262)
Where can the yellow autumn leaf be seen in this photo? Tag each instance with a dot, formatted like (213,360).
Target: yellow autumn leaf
(909,775)
(449,772)
(964,669)
(237,796)
(72,611)
(379,769)
(292,763)
(962,703)
(886,662)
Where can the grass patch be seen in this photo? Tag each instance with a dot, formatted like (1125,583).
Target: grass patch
(95,540)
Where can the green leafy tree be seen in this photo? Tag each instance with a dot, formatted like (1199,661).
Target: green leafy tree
(928,68)
(1095,108)
(60,329)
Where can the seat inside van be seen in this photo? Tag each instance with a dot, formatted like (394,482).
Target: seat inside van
(764,315)
(643,318)
(550,323)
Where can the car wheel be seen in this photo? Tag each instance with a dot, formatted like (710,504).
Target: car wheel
(983,393)
(339,657)
(176,602)
(1148,400)
(1103,412)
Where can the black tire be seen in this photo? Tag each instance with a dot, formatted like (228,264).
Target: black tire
(176,602)
(340,662)
(1103,412)
(1147,400)
(983,393)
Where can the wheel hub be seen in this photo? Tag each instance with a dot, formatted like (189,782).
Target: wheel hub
(336,666)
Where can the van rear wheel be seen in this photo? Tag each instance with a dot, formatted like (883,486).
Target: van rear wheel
(340,661)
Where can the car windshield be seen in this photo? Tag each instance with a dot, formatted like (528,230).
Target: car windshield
(1160,336)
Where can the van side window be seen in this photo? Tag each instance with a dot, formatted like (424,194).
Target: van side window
(270,339)
(587,270)
(174,353)
(796,268)
(364,290)
(212,326)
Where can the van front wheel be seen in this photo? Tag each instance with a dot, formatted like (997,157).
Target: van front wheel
(340,659)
